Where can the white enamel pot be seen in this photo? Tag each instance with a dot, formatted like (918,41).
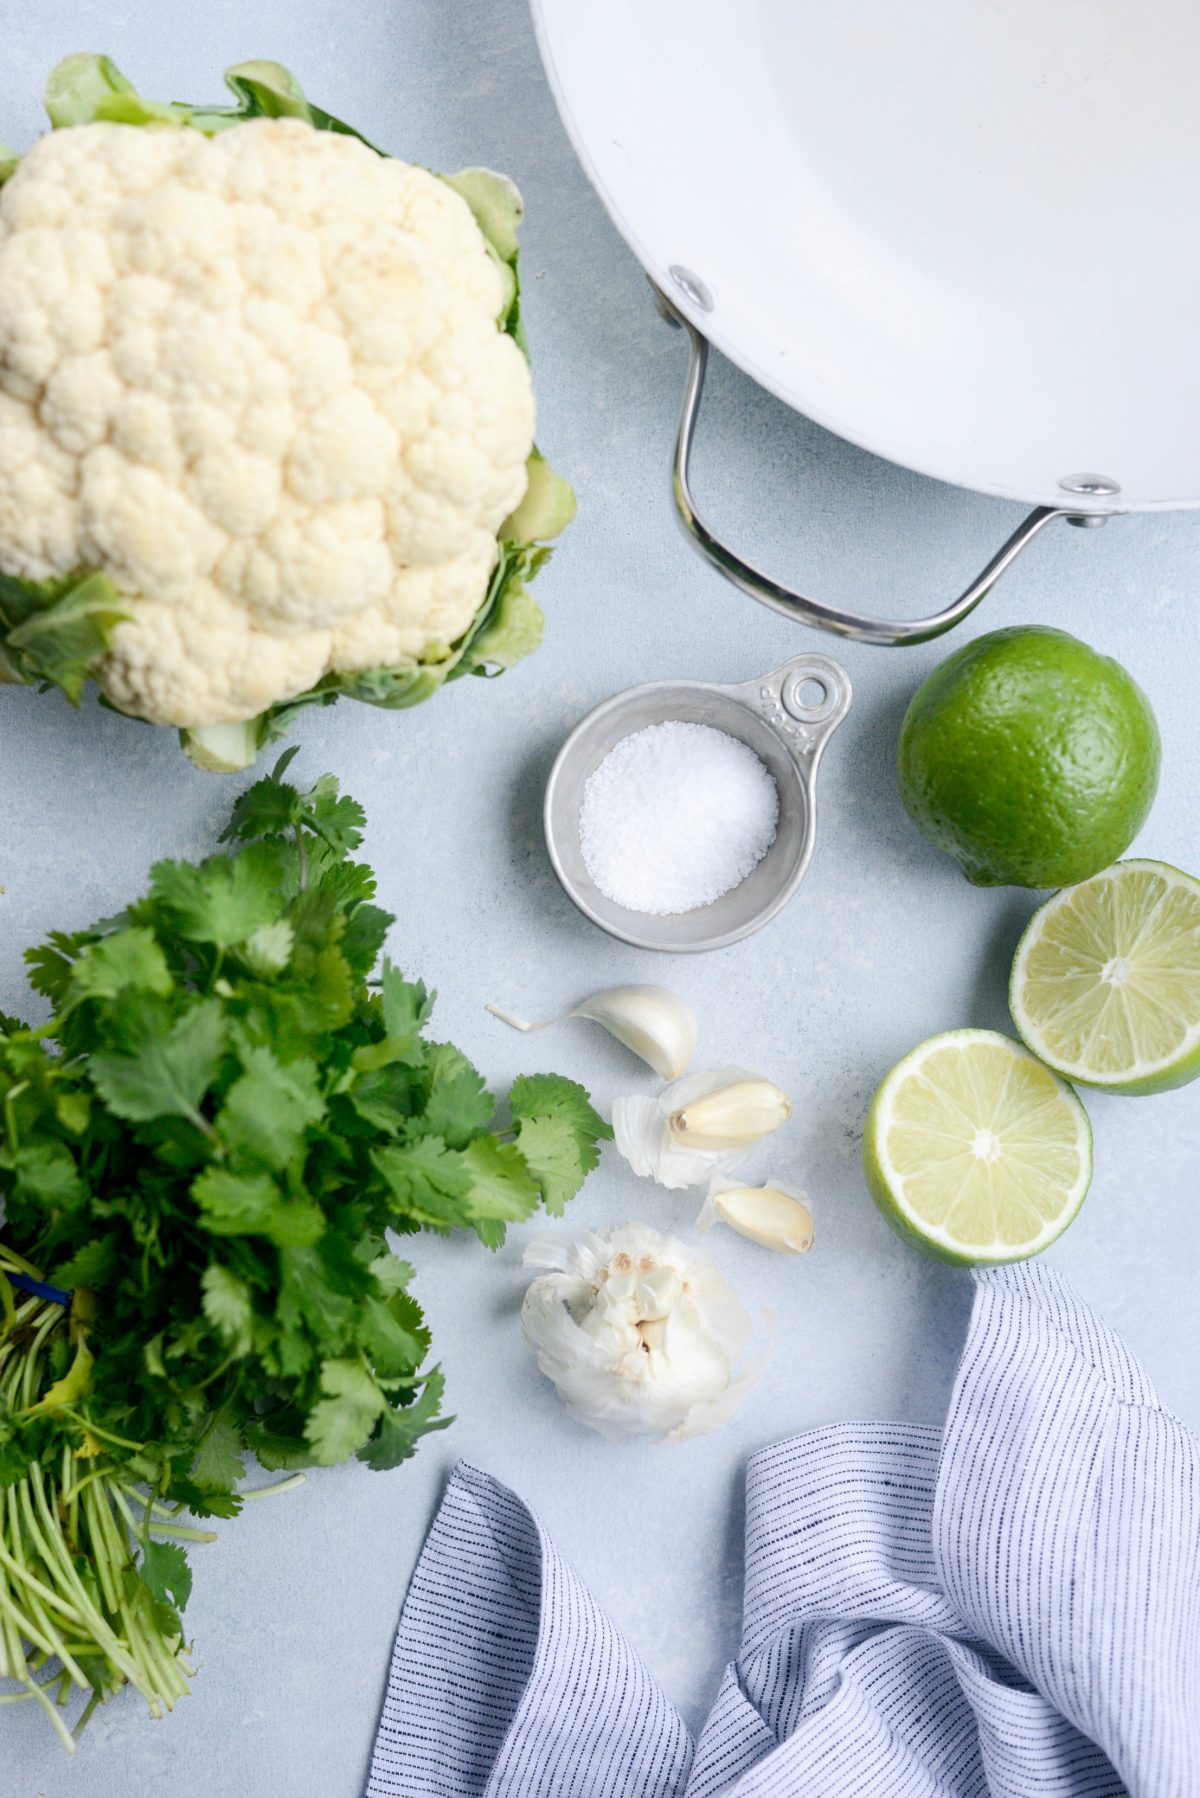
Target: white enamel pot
(963,234)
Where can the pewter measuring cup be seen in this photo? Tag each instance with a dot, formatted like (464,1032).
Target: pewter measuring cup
(785,717)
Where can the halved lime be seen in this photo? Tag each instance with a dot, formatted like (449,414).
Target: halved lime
(1106,980)
(976,1152)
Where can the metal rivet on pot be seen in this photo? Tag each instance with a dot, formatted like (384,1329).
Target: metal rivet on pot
(1097,486)
(692,287)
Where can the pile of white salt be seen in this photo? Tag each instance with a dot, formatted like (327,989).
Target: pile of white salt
(676,815)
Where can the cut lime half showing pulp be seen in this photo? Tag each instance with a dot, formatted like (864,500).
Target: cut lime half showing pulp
(974,1151)
(1106,980)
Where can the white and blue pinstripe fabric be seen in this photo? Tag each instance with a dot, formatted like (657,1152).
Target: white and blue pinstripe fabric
(1009,1608)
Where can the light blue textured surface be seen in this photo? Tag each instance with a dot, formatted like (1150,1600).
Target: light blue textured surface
(294,1610)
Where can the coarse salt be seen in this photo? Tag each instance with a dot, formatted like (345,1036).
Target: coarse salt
(674,816)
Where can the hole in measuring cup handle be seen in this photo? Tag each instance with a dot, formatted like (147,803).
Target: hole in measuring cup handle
(808,697)
(814,690)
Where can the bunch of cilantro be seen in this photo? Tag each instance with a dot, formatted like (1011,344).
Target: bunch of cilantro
(206,1146)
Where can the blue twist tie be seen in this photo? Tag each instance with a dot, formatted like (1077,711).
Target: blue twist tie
(39,1289)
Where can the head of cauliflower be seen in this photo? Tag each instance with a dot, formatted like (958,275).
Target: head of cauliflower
(259,380)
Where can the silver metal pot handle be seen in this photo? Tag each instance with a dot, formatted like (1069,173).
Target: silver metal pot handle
(760,586)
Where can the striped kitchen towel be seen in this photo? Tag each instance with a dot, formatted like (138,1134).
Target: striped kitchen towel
(1009,1608)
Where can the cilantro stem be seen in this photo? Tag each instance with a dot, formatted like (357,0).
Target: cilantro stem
(85,1423)
(86,1714)
(288,1485)
(72,1489)
(201,1385)
(141,1530)
(51,1710)
(301,856)
(10,1116)
(202,1124)
(10,1258)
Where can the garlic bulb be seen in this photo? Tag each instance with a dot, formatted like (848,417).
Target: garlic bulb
(639,1336)
(772,1214)
(697,1125)
(656,1024)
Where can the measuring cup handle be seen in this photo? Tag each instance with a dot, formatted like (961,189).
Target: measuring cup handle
(795,605)
(803,702)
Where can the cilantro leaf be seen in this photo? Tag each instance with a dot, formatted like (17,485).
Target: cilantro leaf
(502,1187)
(218,1465)
(334,816)
(92,1265)
(321,1291)
(128,958)
(204,1504)
(428,1183)
(272,808)
(224,900)
(268,1110)
(52,963)
(552,1153)
(269,808)
(458,1104)
(394,1336)
(227,1307)
(552,1095)
(385,1098)
(341,1422)
(169,1074)
(407,1004)
(165,1572)
(45,1176)
(268,948)
(365,934)
(252,1205)
(400,1428)
(318,964)
(391,1274)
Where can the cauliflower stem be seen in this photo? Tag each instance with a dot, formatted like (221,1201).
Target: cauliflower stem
(58,631)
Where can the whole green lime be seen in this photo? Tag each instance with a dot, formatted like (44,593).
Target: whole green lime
(1030,758)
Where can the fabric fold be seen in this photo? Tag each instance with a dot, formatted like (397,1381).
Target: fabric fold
(507,1680)
(1009,1608)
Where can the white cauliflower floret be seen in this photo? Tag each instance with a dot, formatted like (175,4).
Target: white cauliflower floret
(257,380)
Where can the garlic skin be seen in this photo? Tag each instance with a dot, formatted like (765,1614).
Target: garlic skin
(697,1125)
(639,1336)
(655,1023)
(774,1215)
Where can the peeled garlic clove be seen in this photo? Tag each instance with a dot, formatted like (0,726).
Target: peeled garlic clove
(731,1117)
(647,1136)
(772,1215)
(655,1023)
